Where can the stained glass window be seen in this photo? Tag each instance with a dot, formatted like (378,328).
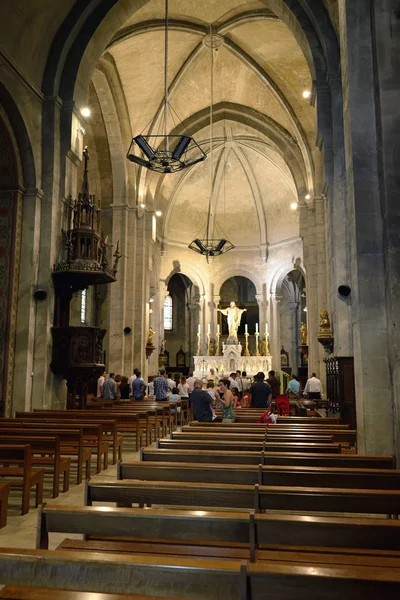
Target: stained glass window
(83,306)
(168,313)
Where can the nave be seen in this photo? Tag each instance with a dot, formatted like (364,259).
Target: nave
(241,510)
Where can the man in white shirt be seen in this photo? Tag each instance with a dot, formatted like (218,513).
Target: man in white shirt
(234,383)
(171,384)
(100,382)
(190,381)
(313,389)
(243,383)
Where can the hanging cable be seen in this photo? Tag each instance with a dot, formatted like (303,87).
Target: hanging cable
(166,74)
(211,131)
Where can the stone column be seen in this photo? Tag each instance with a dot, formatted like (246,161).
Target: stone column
(26,312)
(275,332)
(362,143)
(294,350)
(262,313)
(193,309)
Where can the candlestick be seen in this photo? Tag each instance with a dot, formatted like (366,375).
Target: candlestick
(246,344)
(256,335)
(198,343)
(217,352)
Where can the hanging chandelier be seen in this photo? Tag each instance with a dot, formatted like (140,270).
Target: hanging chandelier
(211,244)
(165,153)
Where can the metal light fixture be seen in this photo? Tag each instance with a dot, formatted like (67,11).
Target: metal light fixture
(167,153)
(211,245)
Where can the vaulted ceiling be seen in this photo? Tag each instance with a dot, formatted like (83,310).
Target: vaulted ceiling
(263,155)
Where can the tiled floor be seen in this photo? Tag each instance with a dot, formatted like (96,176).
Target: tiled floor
(20,531)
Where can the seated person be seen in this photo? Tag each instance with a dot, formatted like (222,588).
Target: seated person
(174,397)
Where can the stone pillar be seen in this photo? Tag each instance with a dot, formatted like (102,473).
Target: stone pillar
(142,290)
(194,319)
(386,31)
(294,347)
(371,364)
(26,312)
(262,313)
(275,332)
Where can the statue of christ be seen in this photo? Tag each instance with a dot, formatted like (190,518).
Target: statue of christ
(234,315)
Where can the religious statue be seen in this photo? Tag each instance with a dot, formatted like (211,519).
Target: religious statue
(150,337)
(117,255)
(68,244)
(211,348)
(103,251)
(234,315)
(324,324)
(303,334)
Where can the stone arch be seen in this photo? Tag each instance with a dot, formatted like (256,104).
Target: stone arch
(280,274)
(227,273)
(190,272)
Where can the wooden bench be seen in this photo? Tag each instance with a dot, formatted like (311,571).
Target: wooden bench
(109,425)
(71,444)
(233,445)
(250,437)
(4,491)
(23,475)
(17,592)
(285,423)
(127,423)
(218,533)
(92,435)
(388,479)
(46,453)
(358,461)
(338,435)
(259,497)
(204,578)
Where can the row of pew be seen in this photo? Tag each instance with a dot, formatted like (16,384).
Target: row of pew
(50,442)
(228,510)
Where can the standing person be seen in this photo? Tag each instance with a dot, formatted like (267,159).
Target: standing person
(132,377)
(244,383)
(100,382)
(313,388)
(138,387)
(227,401)
(274,384)
(160,387)
(212,376)
(171,384)
(183,388)
(293,388)
(261,393)
(110,390)
(190,381)
(201,402)
(124,388)
(232,381)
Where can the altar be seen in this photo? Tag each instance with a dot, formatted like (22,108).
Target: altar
(230,361)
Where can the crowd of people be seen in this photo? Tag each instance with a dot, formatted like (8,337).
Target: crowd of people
(227,394)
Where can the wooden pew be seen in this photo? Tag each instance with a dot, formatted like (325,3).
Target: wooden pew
(338,435)
(127,423)
(92,435)
(222,444)
(22,476)
(220,534)
(286,423)
(283,498)
(199,578)
(17,592)
(358,461)
(109,426)
(46,452)
(4,491)
(71,444)
(388,479)
(249,437)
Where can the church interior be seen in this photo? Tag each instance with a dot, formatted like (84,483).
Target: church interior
(189,186)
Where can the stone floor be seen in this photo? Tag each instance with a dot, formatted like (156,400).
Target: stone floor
(20,531)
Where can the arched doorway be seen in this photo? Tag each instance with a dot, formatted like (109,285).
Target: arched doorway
(10,245)
(180,320)
(292,315)
(242,291)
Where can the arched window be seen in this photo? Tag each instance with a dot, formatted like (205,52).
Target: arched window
(83,307)
(168,313)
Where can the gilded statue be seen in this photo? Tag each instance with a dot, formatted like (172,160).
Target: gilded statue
(234,315)
(264,346)
(324,324)
(303,334)
(150,337)
(211,348)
